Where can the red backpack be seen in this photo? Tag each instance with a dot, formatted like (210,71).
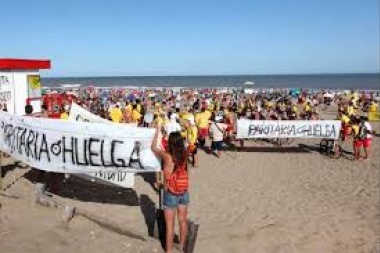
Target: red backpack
(178,182)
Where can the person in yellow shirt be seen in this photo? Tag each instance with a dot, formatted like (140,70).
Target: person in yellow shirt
(350,109)
(157,109)
(136,116)
(192,141)
(116,114)
(139,106)
(65,112)
(346,127)
(64,116)
(202,121)
(161,120)
(357,141)
(308,107)
(127,113)
(128,107)
(373,107)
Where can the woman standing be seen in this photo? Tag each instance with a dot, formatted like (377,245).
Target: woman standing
(176,182)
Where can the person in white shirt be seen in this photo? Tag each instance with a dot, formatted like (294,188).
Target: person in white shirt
(367,141)
(173,125)
(217,133)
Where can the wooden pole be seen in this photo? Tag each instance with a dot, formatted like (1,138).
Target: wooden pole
(1,171)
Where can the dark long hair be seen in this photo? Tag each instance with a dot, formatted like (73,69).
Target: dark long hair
(176,148)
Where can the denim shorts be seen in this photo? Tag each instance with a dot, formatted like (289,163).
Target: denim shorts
(173,201)
(216,145)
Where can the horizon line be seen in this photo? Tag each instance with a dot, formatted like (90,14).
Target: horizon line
(207,75)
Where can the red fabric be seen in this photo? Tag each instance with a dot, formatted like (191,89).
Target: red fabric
(347,130)
(164,143)
(230,127)
(54,115)
(358,143)
(367,142)
(203,132)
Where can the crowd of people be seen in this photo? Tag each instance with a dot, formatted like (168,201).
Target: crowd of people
(208,118)
(210,115)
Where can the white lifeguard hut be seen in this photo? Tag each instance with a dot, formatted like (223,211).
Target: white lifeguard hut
(20,84)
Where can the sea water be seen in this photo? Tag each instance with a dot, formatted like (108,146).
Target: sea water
(313,81)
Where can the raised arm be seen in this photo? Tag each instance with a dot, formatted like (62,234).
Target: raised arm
(158,152)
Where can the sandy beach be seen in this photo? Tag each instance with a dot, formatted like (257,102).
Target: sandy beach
(261,199)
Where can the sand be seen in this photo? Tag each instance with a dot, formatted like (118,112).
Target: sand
(262,199)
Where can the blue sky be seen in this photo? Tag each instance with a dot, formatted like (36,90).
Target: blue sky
(152,37)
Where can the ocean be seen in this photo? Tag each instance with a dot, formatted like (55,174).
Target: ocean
(312,81)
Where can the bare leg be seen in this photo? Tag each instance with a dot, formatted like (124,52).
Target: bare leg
(182,219)
(357,153)
(354,149)
(169,220)
(195,160)
(242,143)
(366,152)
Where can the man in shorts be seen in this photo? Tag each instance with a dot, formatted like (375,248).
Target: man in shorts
(217,133)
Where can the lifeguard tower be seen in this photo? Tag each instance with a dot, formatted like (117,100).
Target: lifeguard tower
(20,83)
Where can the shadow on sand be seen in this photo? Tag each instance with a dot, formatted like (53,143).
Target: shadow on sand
(9,167)
(84,190)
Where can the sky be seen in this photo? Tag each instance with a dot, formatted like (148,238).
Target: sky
(194,37)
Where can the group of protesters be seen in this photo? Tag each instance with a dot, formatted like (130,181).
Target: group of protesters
(203,115)
(356,125)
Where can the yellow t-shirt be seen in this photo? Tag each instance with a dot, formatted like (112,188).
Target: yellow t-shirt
(307,108)
(355,129)
(202,120)
(350,110)
(64,116)
(268,104)
(161,121)
(128,108)
(182,115)
(192,134)
(136,116)
(188,116)
(116,115)
(373,107)
(345,119)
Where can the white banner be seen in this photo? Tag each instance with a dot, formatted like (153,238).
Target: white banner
(77,113)
(77,147)
(122,179)
(329,129)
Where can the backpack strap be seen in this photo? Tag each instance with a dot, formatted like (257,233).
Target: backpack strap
(216,124)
